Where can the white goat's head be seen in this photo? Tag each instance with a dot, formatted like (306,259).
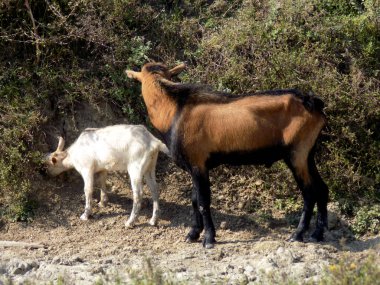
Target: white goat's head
(54,161)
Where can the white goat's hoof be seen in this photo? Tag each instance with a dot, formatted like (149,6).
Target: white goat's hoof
(103,204)
(153,222)
(129,225)
(84,217)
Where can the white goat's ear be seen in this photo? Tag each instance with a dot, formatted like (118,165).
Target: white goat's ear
(54,160)
(61,144)
(134,74)
(178,69)
(57,157)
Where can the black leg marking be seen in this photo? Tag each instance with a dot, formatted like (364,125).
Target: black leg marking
(309,201)
(307,212)
(202,212)
(322,195)
(197,223)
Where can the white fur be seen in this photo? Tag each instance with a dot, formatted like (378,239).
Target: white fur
(126,148)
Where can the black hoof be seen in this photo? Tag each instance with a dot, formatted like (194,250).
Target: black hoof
(208,245)
(192,238)
(296,237)
(317,236)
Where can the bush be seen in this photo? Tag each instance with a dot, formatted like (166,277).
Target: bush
(348,272)
(367,220)
(19,122)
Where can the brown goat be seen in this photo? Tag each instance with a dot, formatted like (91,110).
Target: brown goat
(203,129)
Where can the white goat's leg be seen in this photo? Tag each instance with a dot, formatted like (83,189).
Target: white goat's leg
(150,178)
(88,178)
(103,191)
(136,181)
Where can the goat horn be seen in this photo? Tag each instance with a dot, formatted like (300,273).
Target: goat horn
(178,69)
(61,144)
(133,74)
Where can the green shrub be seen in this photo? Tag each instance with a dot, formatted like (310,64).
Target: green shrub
(348,272)
(18,157)
(367,220)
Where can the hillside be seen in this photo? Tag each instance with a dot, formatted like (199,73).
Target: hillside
(62,70)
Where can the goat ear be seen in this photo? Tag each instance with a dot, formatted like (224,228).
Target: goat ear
(57,157)
(178,69)
(133,74)
(61,144)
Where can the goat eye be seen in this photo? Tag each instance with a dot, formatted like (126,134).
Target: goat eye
(54,160)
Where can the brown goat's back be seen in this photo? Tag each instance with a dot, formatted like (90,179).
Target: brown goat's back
(247,125)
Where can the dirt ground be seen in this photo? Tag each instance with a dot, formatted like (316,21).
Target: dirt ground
(248,250)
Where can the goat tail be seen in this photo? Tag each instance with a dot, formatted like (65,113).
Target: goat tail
(162,147)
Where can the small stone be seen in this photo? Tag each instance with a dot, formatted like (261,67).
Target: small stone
(18,271)
(280,250)
(229,266)
(223,225)
(77,259)
(56,260)
(249,269)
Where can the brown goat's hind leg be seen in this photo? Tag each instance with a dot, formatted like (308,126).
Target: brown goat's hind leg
(322,194)
(307,212)
(302,177)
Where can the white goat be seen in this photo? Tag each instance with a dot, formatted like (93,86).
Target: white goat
(126,148)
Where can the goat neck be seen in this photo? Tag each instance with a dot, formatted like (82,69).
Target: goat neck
(161,108)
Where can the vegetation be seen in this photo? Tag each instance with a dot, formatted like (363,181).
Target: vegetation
(58,55)
(347,272)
